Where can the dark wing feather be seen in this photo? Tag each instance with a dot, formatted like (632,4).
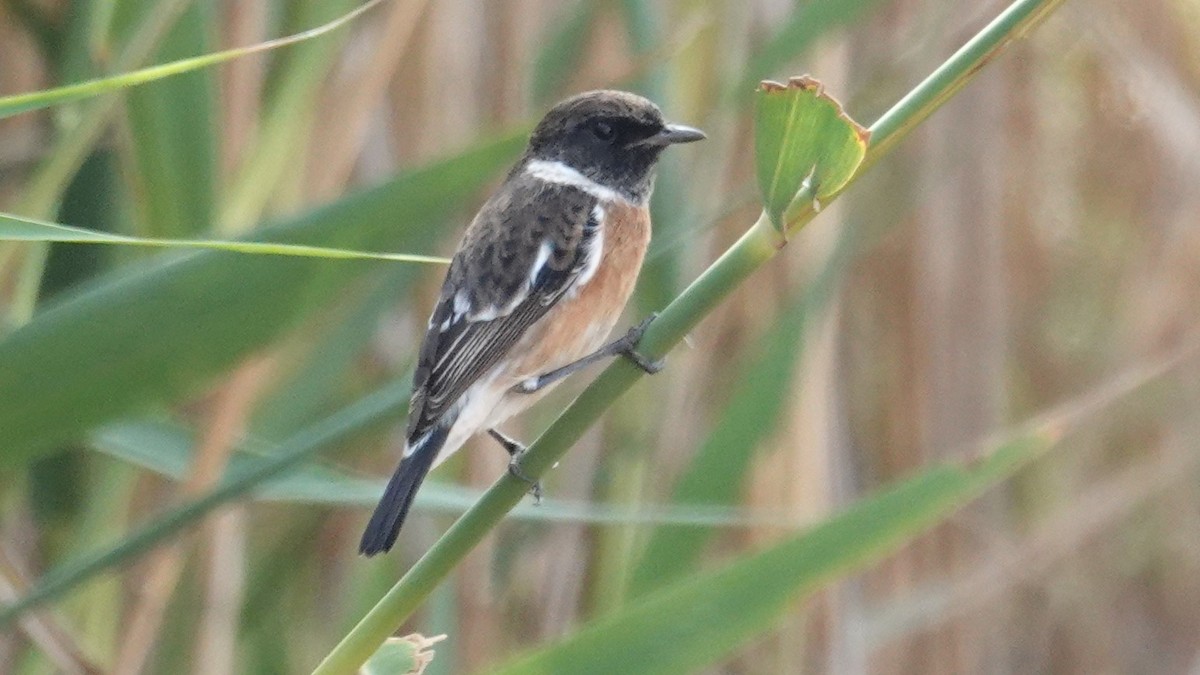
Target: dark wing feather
(492,294)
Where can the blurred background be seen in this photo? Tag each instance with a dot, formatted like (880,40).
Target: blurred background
(1029,245)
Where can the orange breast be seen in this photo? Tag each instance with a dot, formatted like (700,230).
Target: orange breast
(578,325)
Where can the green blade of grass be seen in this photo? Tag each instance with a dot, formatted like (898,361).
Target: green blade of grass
(14,228)
(36,100)
(57,167)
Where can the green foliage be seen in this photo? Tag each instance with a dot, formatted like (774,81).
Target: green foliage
(803,118)
(810,21)
(395,656)
(156,332)
(715,475)
(291,92)
(563,52)
(694,622)
(37,100)
(153,330)
(322,434)
(802,136)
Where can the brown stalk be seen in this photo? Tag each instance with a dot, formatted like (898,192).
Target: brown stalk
(355,98)
(43,628)
(231,408)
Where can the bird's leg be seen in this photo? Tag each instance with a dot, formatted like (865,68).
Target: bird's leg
(622,346)
(516,450)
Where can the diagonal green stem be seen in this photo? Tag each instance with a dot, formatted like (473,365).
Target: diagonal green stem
(758,245)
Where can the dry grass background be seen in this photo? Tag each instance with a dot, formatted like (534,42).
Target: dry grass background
(1034,240)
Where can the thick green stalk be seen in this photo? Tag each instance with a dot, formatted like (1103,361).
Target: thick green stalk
(757,246)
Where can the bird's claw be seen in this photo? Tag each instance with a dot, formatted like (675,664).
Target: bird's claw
(535,486)
(629,347)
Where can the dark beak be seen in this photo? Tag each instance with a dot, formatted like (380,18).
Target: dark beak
(674,133)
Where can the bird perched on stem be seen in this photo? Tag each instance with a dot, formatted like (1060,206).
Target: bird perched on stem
(536,285)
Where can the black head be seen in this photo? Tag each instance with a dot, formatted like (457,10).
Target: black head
(612,137)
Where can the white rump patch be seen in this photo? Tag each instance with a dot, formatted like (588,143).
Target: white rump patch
(411,449)
(560,174)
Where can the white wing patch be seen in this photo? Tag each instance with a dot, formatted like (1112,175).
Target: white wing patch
(492,312)
(462,302)
(560,174)
(592,254)
(543,255)
(462,305)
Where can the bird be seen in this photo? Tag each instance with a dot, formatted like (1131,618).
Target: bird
(538,282)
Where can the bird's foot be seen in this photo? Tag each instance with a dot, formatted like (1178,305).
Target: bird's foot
(516,450)
(535,486)
(627,347)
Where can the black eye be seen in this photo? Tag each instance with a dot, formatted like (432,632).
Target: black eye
(603,131)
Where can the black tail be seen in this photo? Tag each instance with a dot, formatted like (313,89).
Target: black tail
(389,515)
